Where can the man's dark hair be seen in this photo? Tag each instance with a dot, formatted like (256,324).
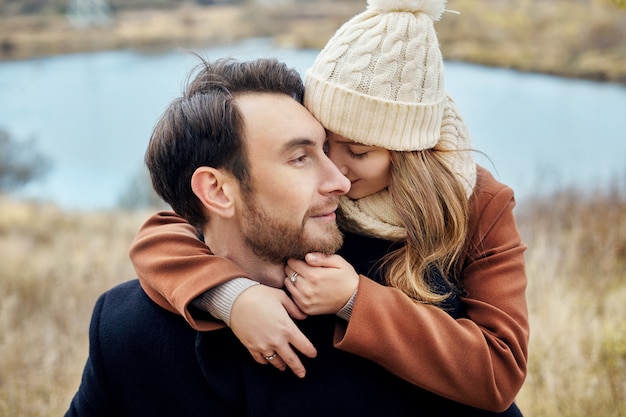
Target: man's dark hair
(204,127)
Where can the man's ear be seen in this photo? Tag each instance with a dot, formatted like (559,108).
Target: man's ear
(215,189)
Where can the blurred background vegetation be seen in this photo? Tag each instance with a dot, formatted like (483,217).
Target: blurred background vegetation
(572,38)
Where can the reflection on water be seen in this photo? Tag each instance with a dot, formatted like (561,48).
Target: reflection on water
(92,114)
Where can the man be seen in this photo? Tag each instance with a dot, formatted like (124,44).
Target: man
(239,157)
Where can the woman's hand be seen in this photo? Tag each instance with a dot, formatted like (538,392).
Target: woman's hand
(260,318)
(324,284)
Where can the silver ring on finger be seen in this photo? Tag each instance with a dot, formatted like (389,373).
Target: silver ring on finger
(293,277)
(272,356)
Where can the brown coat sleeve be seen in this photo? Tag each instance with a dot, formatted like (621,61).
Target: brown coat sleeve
(174,266)
(479,360)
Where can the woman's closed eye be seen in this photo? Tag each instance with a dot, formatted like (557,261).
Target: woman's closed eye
(356,155)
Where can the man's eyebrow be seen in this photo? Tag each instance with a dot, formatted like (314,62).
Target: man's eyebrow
(294,143)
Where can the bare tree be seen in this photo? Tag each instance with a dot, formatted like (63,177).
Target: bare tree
(20,163)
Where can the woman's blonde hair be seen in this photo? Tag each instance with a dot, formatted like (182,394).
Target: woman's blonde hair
(434,209)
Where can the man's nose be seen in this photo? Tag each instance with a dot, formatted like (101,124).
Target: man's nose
(336,182)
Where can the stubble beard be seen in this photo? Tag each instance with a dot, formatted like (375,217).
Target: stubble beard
(277,240)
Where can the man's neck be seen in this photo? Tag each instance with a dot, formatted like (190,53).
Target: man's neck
(235,249)
(262,271)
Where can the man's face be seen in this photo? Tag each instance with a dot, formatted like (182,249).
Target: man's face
(295,187)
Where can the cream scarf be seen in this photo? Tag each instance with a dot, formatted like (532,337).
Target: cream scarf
(373,216)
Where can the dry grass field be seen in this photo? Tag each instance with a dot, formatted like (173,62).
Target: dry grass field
(54,264)
(576,265)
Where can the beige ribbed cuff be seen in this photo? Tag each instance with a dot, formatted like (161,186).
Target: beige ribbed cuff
(219,300)
(346,311)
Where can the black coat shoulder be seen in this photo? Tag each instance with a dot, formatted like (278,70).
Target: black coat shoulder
(142,362)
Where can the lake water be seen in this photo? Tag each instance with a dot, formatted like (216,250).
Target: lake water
(92,115)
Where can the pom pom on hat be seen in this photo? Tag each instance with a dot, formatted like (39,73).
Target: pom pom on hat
(433,8)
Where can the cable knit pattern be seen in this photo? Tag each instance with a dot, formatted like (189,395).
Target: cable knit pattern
(455,137)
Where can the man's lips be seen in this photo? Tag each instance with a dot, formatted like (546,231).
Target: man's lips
(325,214)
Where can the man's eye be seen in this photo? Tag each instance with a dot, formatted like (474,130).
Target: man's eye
(300,158)
(326,147)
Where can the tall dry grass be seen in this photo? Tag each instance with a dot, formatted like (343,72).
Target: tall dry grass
(54,264)
(576,265)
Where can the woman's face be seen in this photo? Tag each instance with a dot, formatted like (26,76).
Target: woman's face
(367,167)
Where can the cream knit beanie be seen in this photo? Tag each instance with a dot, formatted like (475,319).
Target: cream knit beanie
(379,81)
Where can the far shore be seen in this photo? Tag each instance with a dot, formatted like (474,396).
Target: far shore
(534,36)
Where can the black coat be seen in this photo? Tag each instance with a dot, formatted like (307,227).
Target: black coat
(146,361)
